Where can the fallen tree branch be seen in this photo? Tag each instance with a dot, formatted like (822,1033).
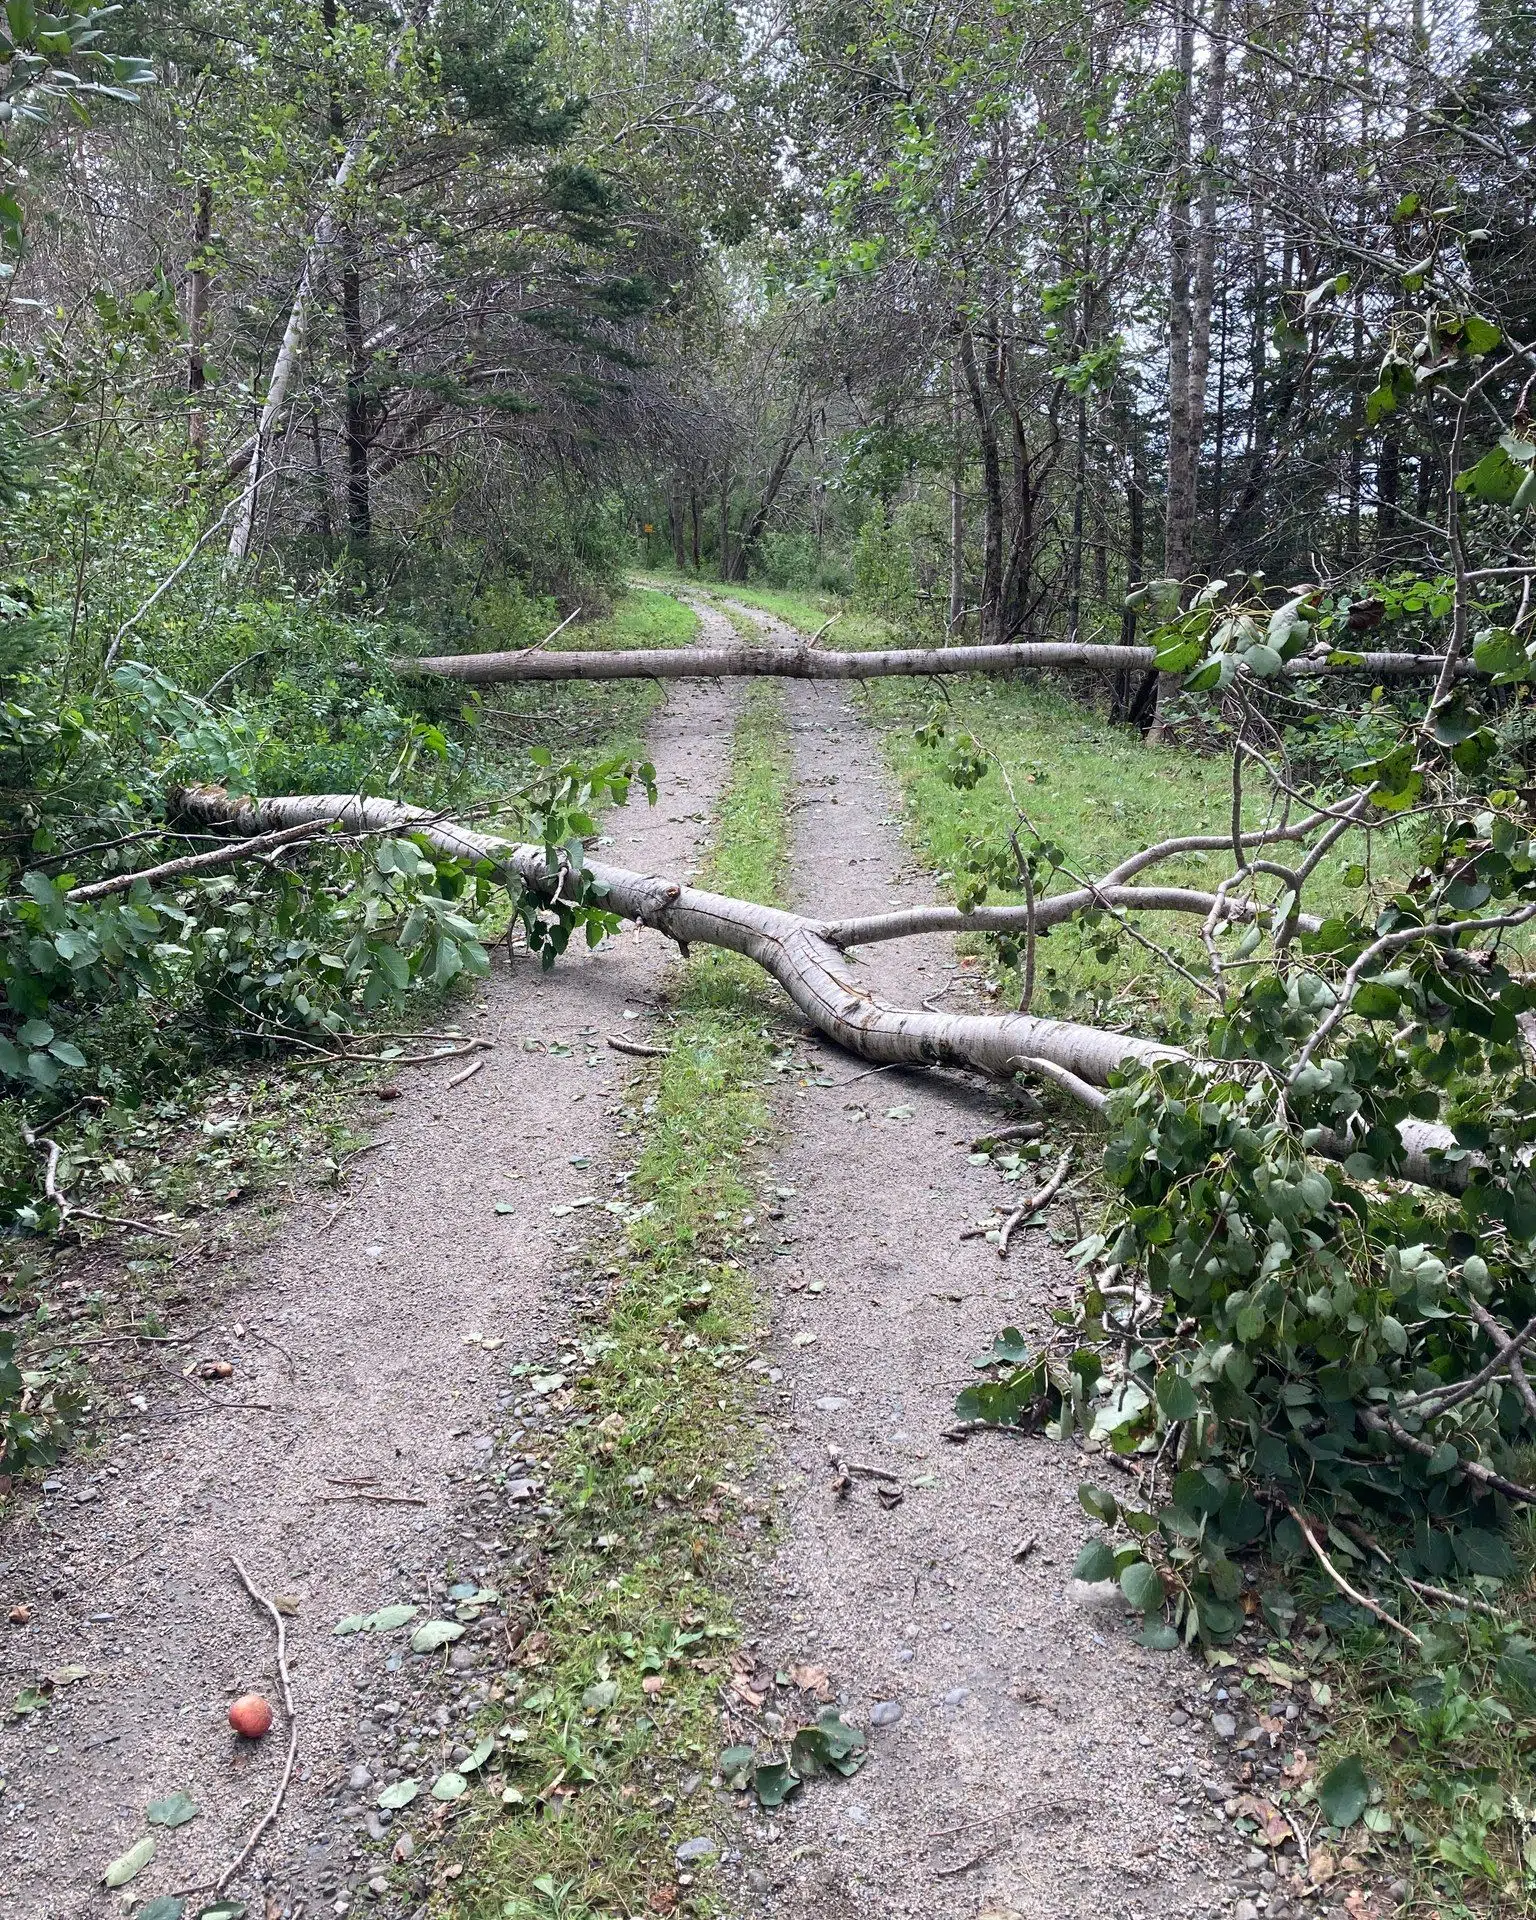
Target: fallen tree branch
(192,863)
(1040,1198)
(272,1812)
(796,952)
(807,662)
(1068,1082)
(1360,1599)
(1051,911)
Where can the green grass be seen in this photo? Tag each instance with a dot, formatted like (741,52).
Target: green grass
(590,719)
(638,1566)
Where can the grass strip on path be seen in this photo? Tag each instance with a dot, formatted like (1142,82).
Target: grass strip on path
(612,1708)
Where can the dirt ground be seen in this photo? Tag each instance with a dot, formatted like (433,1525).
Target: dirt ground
(1027,1757)
(378,1347)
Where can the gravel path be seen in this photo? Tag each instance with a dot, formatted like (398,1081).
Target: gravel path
(377,1345)
(1035,1761)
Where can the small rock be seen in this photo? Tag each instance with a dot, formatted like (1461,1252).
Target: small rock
(403,1848)
(375,1827)
(691,1784)
(957,1696)
(1215,1792)
(461,1659)
(378,1886)
(1223,1725)
(831,1403)
(359,1779)
(1399,1891)
(84,1496)
(885,1713)
(701,1847)
(1245,1910)
(1256,1860)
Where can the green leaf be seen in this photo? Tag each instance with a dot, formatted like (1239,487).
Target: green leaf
(1097,1504)
(449,1786)
(387,1619)
(130,1864)
(164,1906)
(1159,1636)
(400,1794)
(1344,1793)
(1479,335)
(173,1811)
(1495,478)
(1142,1586)
(221,1910)
(1176,1396)
(1096,1562)
(432,1634)
(478,1754)
(600,1696)
(773,1783)
(1373,1001)
(736,1766)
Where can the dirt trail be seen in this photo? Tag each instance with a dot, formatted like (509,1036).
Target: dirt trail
(1049,1751)
(366,1342)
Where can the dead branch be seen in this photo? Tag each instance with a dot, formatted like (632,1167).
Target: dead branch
(271,1814)
(807,662)
(1042,1197)
(1051,911)
(795,951)
(1062,1077)
(1360,1599)
(192,863)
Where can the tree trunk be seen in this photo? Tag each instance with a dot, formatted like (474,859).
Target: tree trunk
(693,510)
(956,508)
(198,321)
(819,979)
(804,662)
(675,527)
(1178,514)
(991,612)
(359,424)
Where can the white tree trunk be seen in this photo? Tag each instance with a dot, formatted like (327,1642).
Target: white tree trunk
(818,978)
(817,663)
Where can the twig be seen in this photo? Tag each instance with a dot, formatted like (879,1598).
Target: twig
(1441,1399)
(1040,1198)
(1507,1350)
(381,1499)
(558,630)
(1360,1599)
(964,1866)
(1452,1599)
(293,1732)
(1027,1130)
(637,1047)
(1468,1469)
(267,1341)
(194,863)
(464,1073)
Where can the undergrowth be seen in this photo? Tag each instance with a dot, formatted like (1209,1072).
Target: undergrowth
(620,1710)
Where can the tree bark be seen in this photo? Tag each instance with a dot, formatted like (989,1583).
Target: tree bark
(991,611)
(197,321)
(816,663)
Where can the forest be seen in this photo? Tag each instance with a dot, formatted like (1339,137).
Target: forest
(518,518)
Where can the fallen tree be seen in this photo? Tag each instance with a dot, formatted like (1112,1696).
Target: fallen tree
(812,970)
(815,663)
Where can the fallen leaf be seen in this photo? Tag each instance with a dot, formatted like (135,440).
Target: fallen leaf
(19,1615)
(175,1810)
(399,1795)
(216,1370)
(127,1865)
(477,1756)
(653,1683)
(164,1906)
(812,1680)
(286,1605)
(449,1786)
(432,1634)
(1321,1867)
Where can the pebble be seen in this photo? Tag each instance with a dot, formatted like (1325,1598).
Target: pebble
(379,1886)
(84,1496)
(701,1847)
(375,1827)
(359,1779)
(957,1696)
(903,1655)
(885,1713)
(1245,1910)
(691,1784)
(831,1403)
(1223,1725)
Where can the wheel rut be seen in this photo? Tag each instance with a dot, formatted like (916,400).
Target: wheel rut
(375,1342)
(1036,1761)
